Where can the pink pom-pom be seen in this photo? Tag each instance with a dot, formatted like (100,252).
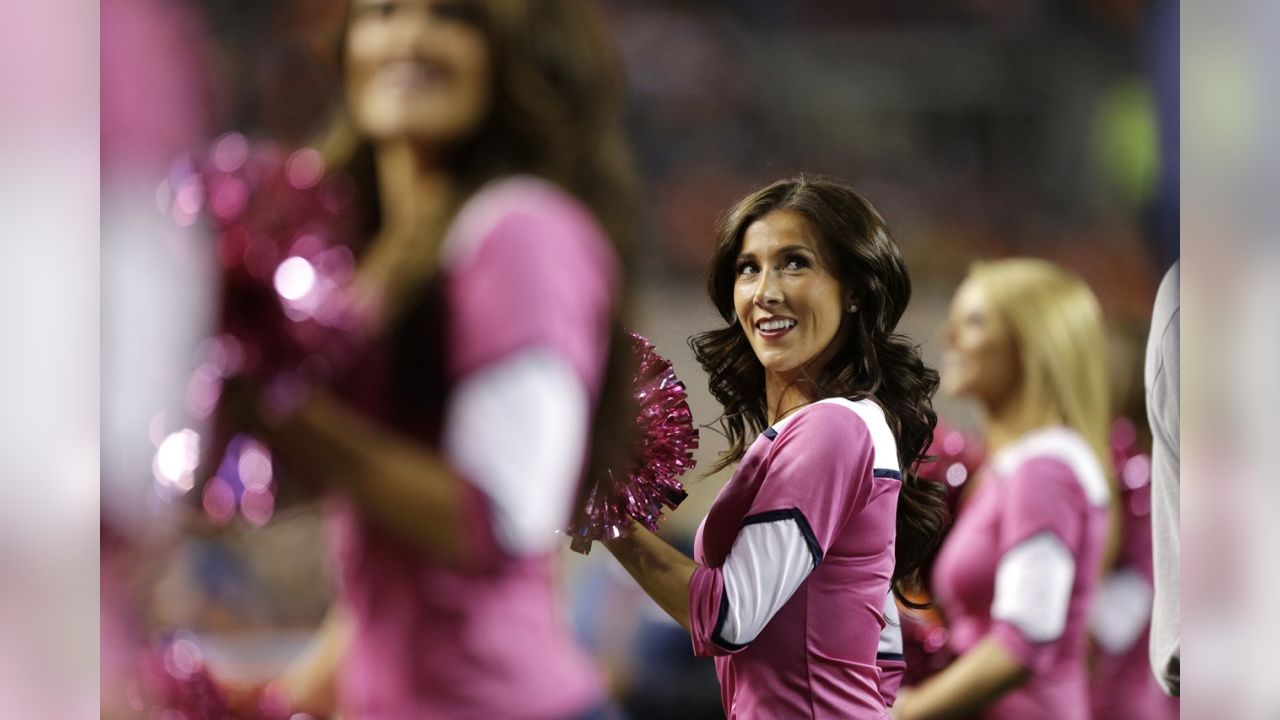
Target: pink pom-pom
(639,486)
(283,233)
(283,249)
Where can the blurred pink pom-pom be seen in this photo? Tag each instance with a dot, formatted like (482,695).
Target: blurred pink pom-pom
(282,231)
(640,486)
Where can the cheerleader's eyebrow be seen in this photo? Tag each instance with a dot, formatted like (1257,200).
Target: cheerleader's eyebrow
(780,251)
(795,248)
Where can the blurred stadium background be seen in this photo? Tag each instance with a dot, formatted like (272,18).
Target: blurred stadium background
(980,128)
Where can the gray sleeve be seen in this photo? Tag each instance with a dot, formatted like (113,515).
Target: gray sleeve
(1162,377)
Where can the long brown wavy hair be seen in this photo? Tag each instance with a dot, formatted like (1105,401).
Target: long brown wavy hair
(870,361)
(556,113)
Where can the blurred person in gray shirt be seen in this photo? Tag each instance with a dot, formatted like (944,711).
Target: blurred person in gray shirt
(1162,374)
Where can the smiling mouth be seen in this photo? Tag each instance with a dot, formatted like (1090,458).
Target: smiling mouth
(775,327)
(410,75)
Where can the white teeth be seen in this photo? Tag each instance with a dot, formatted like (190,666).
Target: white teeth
(776,324)
(408,74)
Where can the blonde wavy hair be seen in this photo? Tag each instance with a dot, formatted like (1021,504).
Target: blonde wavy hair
(1055,323)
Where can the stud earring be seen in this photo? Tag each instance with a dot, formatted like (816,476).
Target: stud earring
(853,308)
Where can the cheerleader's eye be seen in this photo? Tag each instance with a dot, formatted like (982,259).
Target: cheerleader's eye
(461,11)
(380,9)
(797,262)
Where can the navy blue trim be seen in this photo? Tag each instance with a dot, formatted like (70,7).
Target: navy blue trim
(790,514)
(768,516)
(891,656)
(770,433)
(717,635)
(885,472)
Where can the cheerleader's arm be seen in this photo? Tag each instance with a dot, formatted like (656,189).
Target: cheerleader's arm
(974,681)
(399,483)
(514,443)
(662,571)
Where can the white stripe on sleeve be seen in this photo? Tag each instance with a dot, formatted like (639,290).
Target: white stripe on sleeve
(891,635)
(1033,587)
(517,431)
(767,563)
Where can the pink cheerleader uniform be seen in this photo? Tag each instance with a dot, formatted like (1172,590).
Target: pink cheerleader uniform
(529,282)
(1020,565)
(796,556)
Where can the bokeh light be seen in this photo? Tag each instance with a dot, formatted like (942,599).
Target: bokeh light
(219,501)
(176,459)
(305,168)
(1136,471)
(957,473)
(230,151)
(255,466)
(295,278)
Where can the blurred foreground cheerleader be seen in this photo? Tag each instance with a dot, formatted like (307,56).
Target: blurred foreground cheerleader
(450,381)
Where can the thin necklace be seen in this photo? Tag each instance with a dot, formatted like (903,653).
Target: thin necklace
(783,415)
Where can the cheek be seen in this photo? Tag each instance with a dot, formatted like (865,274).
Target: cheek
(476,68)
(976,343)
(966,364)
(993,367)
(741,301)
(361,56)
(829,311)
(1004,364)
(364,46)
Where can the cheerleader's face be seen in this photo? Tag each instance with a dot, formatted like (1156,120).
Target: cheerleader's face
(980,360)
(417,70)
(788,302)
